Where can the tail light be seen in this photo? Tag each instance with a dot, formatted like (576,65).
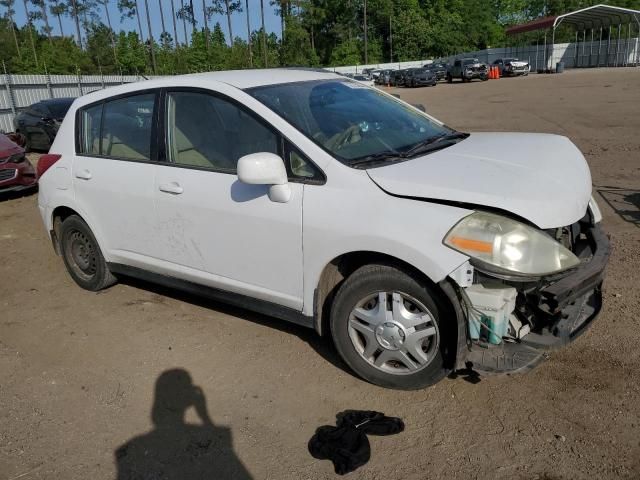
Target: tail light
(45,162)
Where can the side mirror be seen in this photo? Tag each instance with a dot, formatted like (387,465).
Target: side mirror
(265,168)
(419,106)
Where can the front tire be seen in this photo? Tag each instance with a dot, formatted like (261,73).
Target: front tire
(82,255)
(385,325)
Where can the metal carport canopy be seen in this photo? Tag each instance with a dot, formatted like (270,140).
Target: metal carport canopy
(590,17)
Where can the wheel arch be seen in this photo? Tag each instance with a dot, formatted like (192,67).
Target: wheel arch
(337,270)
(59,215)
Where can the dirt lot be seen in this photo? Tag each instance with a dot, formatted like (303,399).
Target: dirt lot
(78,370)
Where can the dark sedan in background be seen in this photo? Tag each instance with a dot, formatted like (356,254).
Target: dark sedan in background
(419,77)
(39,122)
(16,172)
(397,78)
(439,70)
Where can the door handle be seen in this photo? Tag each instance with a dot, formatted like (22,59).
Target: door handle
(84,175)
(173,187)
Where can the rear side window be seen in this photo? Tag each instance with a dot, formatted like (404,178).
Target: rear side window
(119,128)
(90,118)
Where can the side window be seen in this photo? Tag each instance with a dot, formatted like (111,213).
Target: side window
(299,167)
(90,119)
(207,131)
(126,127)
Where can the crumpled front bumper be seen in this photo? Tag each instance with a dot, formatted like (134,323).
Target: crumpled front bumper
(560,309)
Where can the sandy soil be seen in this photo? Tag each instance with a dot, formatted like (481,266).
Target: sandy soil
(78,370)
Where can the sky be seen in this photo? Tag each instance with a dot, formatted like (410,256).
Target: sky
(238,20)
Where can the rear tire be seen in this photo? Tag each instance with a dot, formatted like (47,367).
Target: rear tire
(385,325)
(82,255)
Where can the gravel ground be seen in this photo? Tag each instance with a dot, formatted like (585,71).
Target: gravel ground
(78,369)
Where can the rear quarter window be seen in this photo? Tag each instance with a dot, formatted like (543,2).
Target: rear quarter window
(119,128)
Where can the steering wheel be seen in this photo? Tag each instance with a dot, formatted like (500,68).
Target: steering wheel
(339,140)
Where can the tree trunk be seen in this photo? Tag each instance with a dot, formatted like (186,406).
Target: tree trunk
(264,34)
(282,15)
(229,22)
(246,2)
(76,18)
(13,31)
(111,32)
(184,27)
(390,41)
(162,21)
(45,17)
(366,42)
(60,24)
(175,28)
(151,49)
(139,23)
(206,25)
(30,25)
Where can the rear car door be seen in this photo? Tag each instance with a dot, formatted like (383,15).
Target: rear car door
(214,229)
(113,175)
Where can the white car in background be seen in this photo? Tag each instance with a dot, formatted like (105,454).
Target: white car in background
(364,79)
(311,197)
(511,67)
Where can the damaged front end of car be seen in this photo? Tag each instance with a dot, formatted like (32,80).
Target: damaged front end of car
(512,319)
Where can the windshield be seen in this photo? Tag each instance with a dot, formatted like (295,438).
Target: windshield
(350,120)
(470,61)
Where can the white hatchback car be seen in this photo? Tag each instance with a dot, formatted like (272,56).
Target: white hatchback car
(310,197)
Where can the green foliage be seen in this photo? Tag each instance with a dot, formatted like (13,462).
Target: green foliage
(315,32)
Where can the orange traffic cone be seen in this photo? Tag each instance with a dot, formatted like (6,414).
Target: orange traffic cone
(497,72)
(491,73)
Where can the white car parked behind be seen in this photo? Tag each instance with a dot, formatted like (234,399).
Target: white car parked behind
(310,197)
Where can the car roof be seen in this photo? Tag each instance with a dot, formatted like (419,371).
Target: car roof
(241,79)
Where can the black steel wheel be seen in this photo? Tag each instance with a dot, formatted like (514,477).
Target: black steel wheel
(82,255)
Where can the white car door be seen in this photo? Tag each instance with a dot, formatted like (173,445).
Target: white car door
(214,229)
(113,176)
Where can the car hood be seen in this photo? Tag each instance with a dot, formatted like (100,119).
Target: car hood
(542,178)
(518,64)
(8,148)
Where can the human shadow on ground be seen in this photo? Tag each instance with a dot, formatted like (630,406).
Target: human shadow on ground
(174,449)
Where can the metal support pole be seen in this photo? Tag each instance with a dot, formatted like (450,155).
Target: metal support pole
(48,80)
(599,48)
(79,81)
(553,49)
(608,48)
(618,45)
(7,83)
(637,60)
(626,47)
(537,42)
(576,49)
(591,49)
(545,51)
(584,41)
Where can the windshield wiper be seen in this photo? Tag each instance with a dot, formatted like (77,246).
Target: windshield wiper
(434,143)
(385,156)
(431,144)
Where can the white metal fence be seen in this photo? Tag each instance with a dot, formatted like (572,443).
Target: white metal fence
(584,53)
(19,91)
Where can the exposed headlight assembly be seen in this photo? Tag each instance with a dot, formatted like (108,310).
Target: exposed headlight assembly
(509,247)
